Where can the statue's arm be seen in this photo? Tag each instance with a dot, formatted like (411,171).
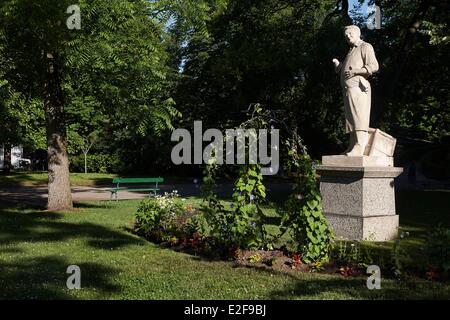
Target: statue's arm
(337,65)
(370,61)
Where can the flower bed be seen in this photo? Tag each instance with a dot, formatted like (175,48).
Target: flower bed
(175,223)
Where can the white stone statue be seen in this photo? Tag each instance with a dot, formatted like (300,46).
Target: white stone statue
(357,67)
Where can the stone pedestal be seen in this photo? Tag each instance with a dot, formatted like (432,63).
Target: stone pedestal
(358,197)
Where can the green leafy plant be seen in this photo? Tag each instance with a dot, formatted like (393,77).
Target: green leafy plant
(96,163)
(161,218)
(400,256)
(196,224)
(242,225)
(303,216)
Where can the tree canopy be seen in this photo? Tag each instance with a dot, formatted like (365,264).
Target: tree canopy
(136,69)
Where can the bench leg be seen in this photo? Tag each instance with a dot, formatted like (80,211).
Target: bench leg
(113,196)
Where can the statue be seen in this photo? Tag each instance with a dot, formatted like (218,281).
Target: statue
(357,188)
(357,67)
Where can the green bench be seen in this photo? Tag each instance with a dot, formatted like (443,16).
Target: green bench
(133,181)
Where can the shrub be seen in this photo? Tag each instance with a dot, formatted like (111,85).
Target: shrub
(196,224)
(162,218)
(96,163)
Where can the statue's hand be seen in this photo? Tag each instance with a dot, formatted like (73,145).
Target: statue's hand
(349,74)
(336,62)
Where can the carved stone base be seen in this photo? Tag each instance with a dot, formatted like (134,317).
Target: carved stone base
(364,161)
(359,201)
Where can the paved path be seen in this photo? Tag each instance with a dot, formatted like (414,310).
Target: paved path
(37,196)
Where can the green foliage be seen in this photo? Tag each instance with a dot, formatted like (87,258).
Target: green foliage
(278,52)
(197,224)
(115,79)
(437,248)
(303,216)
(161,218)
(97,163)
(136,66)
(22,119)
(213,210)
(438,33)
(249,193)
(243,225)
(356,253)
(427,115)
(400,255)
(263,51)
(233,227)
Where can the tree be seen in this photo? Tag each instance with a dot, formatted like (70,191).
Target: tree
(268,52)
(409,99)
(22,121)
(117,57)
(279,53)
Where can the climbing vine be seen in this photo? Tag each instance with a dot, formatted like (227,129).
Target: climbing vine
(303,216)
(243,224)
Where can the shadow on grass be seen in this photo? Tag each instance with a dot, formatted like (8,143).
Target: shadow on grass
(26,199)
(334,286)
(47,226)
(46,277)
(343,288)
(106,204)
(43,276)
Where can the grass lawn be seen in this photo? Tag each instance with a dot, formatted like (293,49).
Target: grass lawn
(36,247)
(40,179)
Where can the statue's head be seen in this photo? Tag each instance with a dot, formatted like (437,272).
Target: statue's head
(352,34)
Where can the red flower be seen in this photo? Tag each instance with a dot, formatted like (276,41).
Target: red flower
(296,259)
(346,271)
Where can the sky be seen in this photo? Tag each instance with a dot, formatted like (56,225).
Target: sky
(363,8)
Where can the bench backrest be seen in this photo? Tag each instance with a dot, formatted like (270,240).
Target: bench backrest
(138,180)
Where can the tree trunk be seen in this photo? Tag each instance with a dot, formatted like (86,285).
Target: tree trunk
(85,162)
(7,158)
(59,193)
